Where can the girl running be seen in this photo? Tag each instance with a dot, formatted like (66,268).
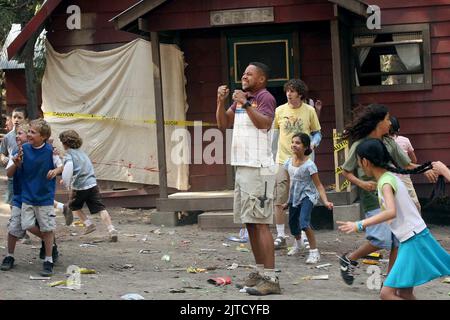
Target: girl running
(420,257)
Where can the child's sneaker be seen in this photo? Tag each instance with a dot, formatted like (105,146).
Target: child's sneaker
(347,269)
(280,243)
(47,270)
(68,215)
(314,256)
(113,235)
(304,241)
(89,229)
(7,264)
(266,286)
(294,250)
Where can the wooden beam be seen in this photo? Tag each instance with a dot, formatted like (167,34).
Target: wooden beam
(135,12)
(225,80)
(337,75)
(159,110)
(355,6)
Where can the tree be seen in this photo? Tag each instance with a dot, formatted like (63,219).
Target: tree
(22,11)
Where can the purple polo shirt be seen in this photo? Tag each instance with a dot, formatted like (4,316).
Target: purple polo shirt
(264,102)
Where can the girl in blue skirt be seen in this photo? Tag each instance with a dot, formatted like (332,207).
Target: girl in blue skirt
(420,257)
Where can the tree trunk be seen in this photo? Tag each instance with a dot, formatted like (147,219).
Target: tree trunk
(27,56)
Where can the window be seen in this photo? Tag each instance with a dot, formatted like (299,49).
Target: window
(273,53)
(395,58)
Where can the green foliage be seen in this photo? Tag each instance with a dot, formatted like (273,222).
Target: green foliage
(16,11)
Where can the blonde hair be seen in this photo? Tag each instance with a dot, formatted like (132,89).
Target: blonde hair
(42,127)
(71,139)
(24,127)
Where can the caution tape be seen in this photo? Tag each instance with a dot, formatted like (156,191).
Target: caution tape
(340,145)
(345,184)
(338,170)
(337,135)
(88,116)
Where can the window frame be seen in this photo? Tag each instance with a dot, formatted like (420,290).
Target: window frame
(424,28)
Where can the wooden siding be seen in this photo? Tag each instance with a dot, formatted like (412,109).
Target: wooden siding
(194,14)
(203,57)
(424,115)
(96,32)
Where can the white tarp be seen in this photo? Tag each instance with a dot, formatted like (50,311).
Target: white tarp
(115,88)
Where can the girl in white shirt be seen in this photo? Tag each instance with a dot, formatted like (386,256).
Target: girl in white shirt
(420,257)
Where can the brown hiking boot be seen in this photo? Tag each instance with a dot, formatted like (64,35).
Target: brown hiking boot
(89,229)
(252,280)
(265,286)
(68,215)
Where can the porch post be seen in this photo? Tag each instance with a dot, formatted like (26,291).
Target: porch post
(337,75)
(159,110)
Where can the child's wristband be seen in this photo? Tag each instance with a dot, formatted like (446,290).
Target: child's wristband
(359,226)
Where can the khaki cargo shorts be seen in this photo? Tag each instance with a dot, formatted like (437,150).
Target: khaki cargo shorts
(44,215)
(248,192)
(281,194)
(15,224)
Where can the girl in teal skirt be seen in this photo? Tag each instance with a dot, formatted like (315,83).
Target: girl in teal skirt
(420,257)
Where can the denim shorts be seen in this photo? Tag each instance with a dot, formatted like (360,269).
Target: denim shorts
(300,217)
(380,235)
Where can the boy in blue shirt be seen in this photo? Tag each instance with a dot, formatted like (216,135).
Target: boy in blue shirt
(39,169)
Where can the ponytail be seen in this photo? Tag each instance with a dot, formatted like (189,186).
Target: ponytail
(376,152)
(420,169)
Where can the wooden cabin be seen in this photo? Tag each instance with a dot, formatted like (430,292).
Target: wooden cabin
(335,46)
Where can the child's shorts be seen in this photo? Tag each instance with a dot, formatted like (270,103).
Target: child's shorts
(380,235)
(90,196)
(15,224)
(300,217)
(43,215)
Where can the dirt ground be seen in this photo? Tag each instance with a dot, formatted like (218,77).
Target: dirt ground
(122,269)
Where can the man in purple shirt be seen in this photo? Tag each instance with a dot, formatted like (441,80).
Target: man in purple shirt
(251,116)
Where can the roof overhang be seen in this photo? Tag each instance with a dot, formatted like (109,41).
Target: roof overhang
(358,7)
(129,20)
(32,27)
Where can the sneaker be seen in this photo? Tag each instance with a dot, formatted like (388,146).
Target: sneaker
(314,257)
(68,215)
(26,239)
(294,251)
(89,229)
(47,270)
(7,263)
(252,280)
(113,235)
(304,241)
(347,269)
(280,243)
(265,286)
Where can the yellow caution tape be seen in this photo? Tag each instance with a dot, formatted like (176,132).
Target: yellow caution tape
(337,135)
(88,116)
(340,145)
(345,184)
(338,170)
